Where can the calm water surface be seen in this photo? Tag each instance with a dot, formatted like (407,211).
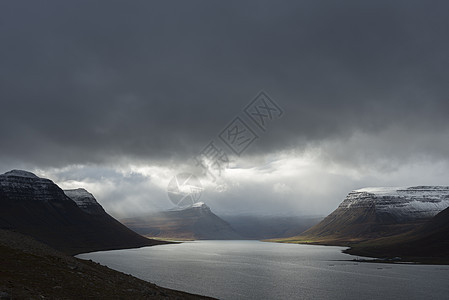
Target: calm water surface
(258,270)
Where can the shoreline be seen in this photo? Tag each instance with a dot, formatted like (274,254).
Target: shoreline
(385,257)
(32,269)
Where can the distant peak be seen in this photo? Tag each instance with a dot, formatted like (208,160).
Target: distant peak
(196,205)
(20,173)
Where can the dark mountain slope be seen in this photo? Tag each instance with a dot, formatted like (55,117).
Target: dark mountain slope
(430,241)
(39,208)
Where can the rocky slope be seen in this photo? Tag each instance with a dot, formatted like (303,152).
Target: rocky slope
(196,222)
(428,242)
(378,212)
(32,270)
(39,208)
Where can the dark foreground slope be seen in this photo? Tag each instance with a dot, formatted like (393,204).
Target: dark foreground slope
(197,222)
(32,270)
(37,207)
(429,243)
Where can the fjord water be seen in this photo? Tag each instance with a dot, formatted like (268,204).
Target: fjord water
(259,270)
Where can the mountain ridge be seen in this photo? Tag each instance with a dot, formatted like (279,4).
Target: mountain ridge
(38,207)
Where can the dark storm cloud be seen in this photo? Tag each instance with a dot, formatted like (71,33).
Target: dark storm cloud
(91,82)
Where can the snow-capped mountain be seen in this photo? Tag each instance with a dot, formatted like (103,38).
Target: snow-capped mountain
(196,222)
(196,204)
(401,203)
(38,207)
(22,185)
(377,212)
(85,200)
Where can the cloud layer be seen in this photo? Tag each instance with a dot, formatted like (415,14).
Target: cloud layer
(101,86)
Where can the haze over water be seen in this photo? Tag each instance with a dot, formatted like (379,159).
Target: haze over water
(259,270)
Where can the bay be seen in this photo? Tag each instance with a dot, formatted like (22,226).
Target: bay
(260,270)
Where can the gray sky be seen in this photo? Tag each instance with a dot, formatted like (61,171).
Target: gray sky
(118,96)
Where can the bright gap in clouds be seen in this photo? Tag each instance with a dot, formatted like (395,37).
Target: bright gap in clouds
(286,183)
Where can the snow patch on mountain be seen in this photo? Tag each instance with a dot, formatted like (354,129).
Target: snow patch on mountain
(23,185)
(20,173)
(85,200)
(81,197)
(417,202)
(196,205)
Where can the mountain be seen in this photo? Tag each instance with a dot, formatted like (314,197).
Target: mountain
(430,241)
(371,213)
(196,222)
(38,207)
